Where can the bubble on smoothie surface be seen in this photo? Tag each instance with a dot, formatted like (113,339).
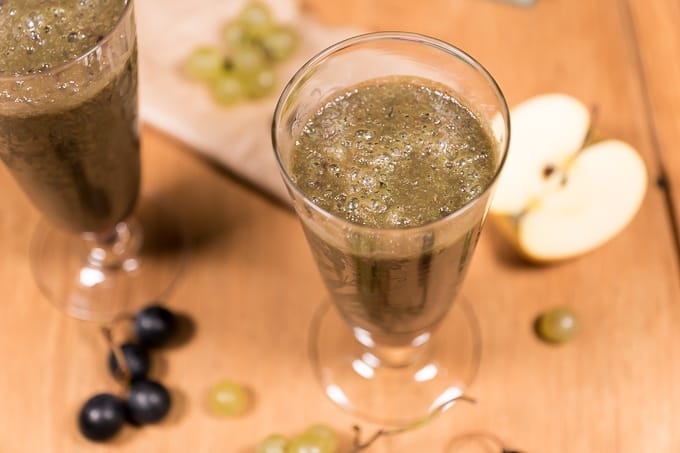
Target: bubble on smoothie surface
(37,35)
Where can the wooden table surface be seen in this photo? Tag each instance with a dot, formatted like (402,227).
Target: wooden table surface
(252,286)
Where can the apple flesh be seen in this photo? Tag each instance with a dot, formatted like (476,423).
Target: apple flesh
(556,199)
(604,189)
(546,131)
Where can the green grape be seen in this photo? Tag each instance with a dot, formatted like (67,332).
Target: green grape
(228,398)
(259,83)
(274,443)
(246,59)
(324,436)
(205,63)
(557,325)
(280,42)
(227,88)
(307,444)
(256,19)
(234,34)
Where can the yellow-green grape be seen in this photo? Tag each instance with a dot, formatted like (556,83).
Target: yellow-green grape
(234,34)
(228,398)
(205,63)
(324,436)
(246,59)
(256,19)
(304,444)
(557,325)
(274,443)
(280,42)
(259,83)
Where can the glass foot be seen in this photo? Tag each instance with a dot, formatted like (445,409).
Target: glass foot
(356,380)
(79,280)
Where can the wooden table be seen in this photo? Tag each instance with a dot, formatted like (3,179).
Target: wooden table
(252,286)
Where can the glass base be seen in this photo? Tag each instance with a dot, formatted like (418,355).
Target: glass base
(354,378)
(69,273)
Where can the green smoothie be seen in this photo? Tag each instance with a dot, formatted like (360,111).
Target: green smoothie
(68,131)
(394,154)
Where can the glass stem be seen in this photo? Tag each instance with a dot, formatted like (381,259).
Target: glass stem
(396,350)
(115,248)
(399,356)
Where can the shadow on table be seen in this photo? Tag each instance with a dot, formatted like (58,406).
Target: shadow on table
(196,209)
(502,247)
(208,209)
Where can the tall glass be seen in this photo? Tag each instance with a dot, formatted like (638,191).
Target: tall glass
(69,135)
(389,347)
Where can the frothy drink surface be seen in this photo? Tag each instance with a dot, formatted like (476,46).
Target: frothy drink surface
(393,153)
(36,35)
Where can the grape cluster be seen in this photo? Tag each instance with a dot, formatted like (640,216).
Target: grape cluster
(245,70)
(315,439)
(147,401)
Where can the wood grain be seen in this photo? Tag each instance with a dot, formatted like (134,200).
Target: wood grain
(252,286)
(655,28)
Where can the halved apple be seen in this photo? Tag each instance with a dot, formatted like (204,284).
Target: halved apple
(555,198)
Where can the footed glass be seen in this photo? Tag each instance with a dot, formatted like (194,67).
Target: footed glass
(70,137)
(395,343)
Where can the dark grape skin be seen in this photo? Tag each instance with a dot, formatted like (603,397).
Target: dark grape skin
(136,358)
(154,326)
(101,417)
(148,402)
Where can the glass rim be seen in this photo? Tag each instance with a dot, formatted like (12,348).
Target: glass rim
(70,63)
(389,36)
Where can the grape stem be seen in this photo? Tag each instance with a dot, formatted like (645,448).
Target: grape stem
(123,374)
(358,445)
